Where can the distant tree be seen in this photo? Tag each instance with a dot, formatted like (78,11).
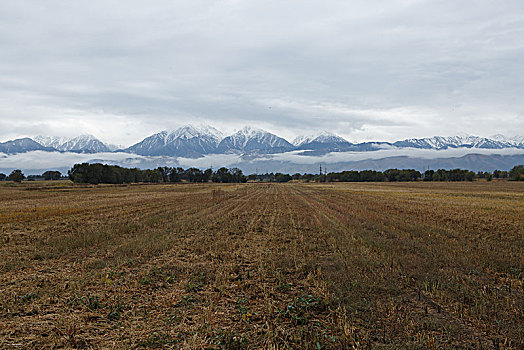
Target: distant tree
(228,175)
(176,175)
(348,176)
(221,175)
(456,175)
(499,174)
(237,175)
(279,177)
(164,173)
(2,176)
(152,176)
(207,175)
(94,174)
(402,175)
(392,174)
(486,174)
(517,173)
(34,177)
(194,175)
(372,176)
(307,177)
(16,176)
(428,175)
(452,175)
(75,174)
(470,176)
(52,175)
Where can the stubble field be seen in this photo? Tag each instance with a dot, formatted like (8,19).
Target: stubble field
(262,266)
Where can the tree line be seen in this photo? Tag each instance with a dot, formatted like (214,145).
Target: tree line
(18,176)
(113,174)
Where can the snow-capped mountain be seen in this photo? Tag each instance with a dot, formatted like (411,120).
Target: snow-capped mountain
(203,131)
(322,137)
(51,141)
(197,141)
(188,141)
(322,143)
(517,141)
(302,139)
(80,144)
(22,145)
(440,142)
(253,140)
(84,144)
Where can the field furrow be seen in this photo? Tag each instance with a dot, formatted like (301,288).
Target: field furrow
(259,266)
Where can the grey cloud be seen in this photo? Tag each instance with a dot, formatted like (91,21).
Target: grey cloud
(430,67)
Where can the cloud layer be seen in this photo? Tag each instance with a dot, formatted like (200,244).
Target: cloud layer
(366,70)
(37,162)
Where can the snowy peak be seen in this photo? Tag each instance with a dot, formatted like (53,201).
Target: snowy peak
(192,141)
(465,141)
(517,141)
(81,144)
(84,144)
(188,141)
(22,145)
(249,131)
(51,141)
(322,143)
(253,140)
(150,145)
(329,138)
(302,139)
(190,131)
(322,137)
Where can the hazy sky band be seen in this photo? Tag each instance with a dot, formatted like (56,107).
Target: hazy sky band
(366,70)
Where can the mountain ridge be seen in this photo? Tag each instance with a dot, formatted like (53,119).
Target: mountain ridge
(253,140)
(188,141)
(197,141)
(84,143)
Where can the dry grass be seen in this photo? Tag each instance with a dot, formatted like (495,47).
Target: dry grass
(314,266)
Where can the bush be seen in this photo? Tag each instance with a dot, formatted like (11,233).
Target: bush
(517,173)
(52,175)
(16,176)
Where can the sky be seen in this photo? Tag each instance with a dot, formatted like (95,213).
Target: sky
(365,70)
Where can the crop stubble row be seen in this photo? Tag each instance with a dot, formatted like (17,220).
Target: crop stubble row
(261,265)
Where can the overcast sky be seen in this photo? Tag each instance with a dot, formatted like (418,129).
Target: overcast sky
(366,70)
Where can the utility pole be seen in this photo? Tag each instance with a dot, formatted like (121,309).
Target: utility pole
(321,169)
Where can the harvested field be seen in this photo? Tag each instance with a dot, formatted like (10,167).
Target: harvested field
(262,266)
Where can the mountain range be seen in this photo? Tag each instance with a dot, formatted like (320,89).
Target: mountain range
(188,141)
(194,142)
(80,144)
